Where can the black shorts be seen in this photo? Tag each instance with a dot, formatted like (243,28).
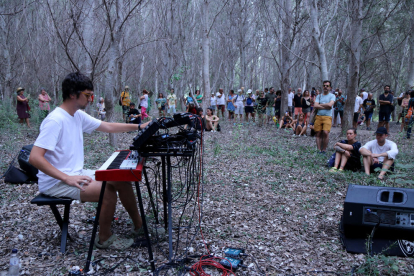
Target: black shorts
(356,115)
(249,109)
(384,116)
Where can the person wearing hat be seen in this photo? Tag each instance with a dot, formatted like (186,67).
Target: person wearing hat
(249,107)
(44,100)
(22,107)
(134,115)
(379,153)
(125,99)
(213,101)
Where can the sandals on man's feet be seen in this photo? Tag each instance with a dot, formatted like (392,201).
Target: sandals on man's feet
(114,242)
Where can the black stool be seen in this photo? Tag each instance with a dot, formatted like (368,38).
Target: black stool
(42,200)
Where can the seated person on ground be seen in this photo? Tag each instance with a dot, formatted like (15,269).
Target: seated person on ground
(133,115)
(286,121)
(211,120)
(379,153)
(58,154)
(192,108)
(300,125)
(348,156)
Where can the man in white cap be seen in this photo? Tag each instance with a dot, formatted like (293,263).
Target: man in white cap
(249,108)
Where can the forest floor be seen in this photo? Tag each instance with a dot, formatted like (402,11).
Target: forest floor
(264,191)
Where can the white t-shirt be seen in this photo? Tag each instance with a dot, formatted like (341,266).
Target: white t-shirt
(389,146)
(222,100)
(291,95)
(213,101)
(62,136)
(358,102)
(364,96)
(144,101)
(239,100)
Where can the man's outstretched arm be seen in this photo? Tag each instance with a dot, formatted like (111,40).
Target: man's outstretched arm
(119,127)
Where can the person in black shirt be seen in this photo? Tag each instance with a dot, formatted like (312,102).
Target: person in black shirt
(133,114)
(278,102)
(347,153)
(385,102)
(297,103)
(368,105)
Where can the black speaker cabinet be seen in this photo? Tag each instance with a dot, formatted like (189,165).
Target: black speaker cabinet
(23,159)
(391,208)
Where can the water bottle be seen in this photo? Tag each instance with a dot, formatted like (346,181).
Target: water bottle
(14,264)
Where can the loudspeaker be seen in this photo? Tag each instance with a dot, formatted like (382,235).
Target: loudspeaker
(390,209)
(23,159)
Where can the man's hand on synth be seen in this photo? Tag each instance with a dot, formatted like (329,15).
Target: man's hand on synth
(78,181)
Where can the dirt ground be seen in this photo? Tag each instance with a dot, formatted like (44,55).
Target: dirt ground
(264,191)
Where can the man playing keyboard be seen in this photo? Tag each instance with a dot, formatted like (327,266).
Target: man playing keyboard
(58,154)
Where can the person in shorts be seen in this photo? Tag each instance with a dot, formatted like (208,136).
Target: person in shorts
(340,101)
(59,155)
(221,102)
(125,99)
(385,103)
(238,102)
(297,103)
(213,101)
(357,110)
(249,107)
(323,120)
(368,106)
(379,153)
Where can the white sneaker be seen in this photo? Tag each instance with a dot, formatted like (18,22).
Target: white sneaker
(304,135)
(294,134)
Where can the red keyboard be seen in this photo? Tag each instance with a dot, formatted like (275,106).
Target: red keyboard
(111,169)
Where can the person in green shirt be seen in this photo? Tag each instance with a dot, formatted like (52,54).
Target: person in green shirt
(161,102)
(199,97)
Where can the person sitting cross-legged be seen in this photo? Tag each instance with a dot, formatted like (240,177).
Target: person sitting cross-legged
(134,116)
(348,156)
(379,153)
(300,125)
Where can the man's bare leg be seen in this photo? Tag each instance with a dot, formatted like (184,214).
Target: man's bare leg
(91,194)
(319,140)
(386,165)
(325,140)
(367,160)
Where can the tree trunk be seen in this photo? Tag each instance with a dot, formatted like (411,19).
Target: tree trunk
(356,7)
(285,54)
(410,80)
(206,54)
(316,38)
